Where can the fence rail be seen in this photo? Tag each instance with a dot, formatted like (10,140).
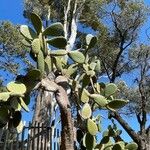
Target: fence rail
(33,137)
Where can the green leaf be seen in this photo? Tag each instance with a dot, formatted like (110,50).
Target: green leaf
(58,53)
(86,111)
(89,141)
(23,104)
(27,32)
(91,41)
(16,87)
(92,127)
(131,146)
(58,42)
(110,89)
(84,96)
(77,56)
(117,103)
(99,99)
(37,22)
(36,46)
(56,29)
(4,96)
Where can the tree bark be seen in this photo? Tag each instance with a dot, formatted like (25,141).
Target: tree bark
(67,135)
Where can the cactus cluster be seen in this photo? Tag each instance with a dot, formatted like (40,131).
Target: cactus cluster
(15,97)
(81,72)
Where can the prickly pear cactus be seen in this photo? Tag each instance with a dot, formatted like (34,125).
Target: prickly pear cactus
(48,50)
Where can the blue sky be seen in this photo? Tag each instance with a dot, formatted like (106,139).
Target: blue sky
(11,10)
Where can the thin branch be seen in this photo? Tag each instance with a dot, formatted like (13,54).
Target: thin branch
(66,11)
(126,126)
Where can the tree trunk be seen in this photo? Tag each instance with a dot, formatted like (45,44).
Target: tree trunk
(67,135)
(42,116)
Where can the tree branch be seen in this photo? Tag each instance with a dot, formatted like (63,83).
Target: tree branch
(125,125)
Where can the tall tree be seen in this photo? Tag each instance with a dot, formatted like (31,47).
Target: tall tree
(12,50)
(125,20)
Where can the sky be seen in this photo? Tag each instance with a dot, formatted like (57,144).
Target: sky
(11,10)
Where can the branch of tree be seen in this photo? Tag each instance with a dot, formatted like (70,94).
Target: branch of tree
(125,125)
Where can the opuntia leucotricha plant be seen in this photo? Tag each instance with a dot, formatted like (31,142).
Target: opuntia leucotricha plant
(77,68)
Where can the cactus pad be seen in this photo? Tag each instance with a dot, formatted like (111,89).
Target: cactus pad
(99,99)
(16,87)
(92,127)
(56,29)
(58,42)
(76,56)
(110,89)
(86,111)
(36,46)
(27,32)
(4,96)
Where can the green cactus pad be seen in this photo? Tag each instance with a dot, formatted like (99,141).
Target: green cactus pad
(98,66)
(16,87)
(86,111)
(92,65)
(105,140)
(92,127)
(131,146)
(33,75)
(121,144)
(26,43)
(76,56)
(58,63)
(91,41)
(40,62)
(23,104)
(58,53)
(110,89)
(48,64)
(27,32)
(117,103)
(15,104)
(99,99)
(16,118)
(89,141)
(36,46)
(106,133)
(90,73)
(58,42)
(20,126)
(71,70)
(84,96)
(37,22)
(117,147)
(56,29)
(4,115)
(4,96)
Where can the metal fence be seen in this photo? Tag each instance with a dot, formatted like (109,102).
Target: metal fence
(33,137)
